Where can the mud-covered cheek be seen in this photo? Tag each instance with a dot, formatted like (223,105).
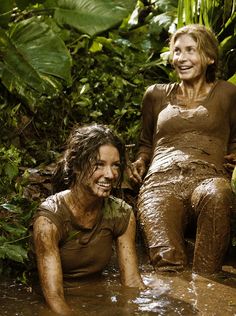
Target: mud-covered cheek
(116,176)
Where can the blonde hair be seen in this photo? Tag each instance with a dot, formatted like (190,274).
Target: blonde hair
(207,45)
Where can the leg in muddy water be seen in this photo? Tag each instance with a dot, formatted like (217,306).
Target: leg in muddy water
(212,203)
(162,220)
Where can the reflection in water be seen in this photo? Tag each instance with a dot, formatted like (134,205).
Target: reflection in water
(168,294)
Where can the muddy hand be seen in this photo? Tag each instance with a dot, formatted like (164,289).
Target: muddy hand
(137,170)
(230,162)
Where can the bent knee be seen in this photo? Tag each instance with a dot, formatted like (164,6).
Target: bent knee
(217,190)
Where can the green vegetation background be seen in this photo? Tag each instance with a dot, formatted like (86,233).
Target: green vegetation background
(64,62)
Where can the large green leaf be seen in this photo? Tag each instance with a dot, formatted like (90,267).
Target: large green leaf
(35,62)
(15,230)
(13,252)
(46,52)
(6,7)
(92,16)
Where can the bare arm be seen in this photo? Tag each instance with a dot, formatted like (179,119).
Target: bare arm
(46,238)
(127,257)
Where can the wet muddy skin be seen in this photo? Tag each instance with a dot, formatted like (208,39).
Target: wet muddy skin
(182,151)
(170,294)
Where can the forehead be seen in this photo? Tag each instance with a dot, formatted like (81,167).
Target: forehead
(185,40)
(108,151)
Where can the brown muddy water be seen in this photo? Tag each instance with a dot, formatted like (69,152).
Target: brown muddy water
(184,294)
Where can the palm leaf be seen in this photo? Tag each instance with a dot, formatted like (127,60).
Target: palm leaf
(188,11)
(92,16)
(180,14)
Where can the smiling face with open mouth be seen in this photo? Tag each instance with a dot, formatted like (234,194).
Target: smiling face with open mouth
(106,172)
(187,60)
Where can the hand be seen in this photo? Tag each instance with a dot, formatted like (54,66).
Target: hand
(231,162)
(137,170)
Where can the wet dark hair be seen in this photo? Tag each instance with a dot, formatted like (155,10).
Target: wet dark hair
(81,153)
(207,44)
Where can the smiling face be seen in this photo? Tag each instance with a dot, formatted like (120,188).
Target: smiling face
(106,172)
(188,63)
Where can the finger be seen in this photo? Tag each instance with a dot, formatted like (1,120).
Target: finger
(137,176)
(231,157)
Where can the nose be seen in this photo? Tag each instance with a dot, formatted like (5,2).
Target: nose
(109,173)
(182,56)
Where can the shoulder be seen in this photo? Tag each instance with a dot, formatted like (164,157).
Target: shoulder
(225,93)
(116,215)
(226,88)
(157,94)
(160,89)
(50,203)
(116,208)
(53,203)
(54,209)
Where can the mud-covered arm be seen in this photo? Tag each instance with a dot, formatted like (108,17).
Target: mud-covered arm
(148,120)
(147,126)
(232,141)
(231,155)
(46,238)
(127,256)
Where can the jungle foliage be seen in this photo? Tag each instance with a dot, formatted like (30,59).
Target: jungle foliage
(79,61)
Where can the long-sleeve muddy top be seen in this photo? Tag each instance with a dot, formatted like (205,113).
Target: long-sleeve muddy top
(174,135)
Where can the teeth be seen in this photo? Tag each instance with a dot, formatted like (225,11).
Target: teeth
(104,184)
(184,68)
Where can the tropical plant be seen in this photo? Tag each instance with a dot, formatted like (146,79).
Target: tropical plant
(9,168)
(35,59)
(14,238)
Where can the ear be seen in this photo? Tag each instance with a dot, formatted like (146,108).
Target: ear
(210,61)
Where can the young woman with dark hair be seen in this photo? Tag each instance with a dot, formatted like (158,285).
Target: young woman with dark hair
(74,229)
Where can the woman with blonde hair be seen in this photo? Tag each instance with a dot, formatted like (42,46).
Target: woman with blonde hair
(188,132)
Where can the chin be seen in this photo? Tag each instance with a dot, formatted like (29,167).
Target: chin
(103,194)
(106,194)
(185,77)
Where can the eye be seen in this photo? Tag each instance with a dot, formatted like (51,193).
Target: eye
(176,51)
(116,166)
(191,49)
(99,165)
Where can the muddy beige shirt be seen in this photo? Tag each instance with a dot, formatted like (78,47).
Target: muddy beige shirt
(86,251)
(176,136)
